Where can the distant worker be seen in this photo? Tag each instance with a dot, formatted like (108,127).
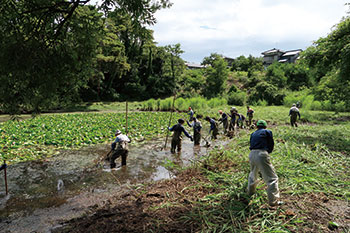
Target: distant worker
(197,126)
(294,113)
(120,148)
(177,137)
(261,144)
(224,120)
(240,121)
(233,115)
(250,114)
(191,113)
(213,127)
(298,105)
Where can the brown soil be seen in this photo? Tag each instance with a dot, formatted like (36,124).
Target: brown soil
(147,209)
(159,207)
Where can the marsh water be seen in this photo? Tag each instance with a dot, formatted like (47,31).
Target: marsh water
(44,193)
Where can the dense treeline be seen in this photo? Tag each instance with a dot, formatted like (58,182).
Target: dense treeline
(56,53)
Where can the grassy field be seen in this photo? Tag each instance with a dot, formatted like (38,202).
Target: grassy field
(312,162)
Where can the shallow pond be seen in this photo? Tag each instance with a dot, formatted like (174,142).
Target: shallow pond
(46,192)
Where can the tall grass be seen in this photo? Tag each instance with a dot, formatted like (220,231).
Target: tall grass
(307,160)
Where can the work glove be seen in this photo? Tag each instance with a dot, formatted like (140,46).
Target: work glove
(2,167)
(191,139)
(113,145)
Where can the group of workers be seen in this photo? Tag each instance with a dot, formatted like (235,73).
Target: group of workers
(261,144)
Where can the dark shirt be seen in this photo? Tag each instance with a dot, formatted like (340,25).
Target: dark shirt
(294,111)
(223,117)
(197,126)
(212,124)
(180,128)
(262,139)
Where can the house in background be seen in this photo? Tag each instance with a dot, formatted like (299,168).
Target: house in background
(272,55)
(193,66)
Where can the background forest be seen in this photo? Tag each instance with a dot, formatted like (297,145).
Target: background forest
(55,54)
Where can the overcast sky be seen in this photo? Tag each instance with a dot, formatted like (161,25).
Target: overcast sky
(243,27)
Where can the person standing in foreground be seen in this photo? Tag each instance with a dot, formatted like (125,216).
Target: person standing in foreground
(261,144)
(177,137)
(294,113)
(120,148)
(197,126)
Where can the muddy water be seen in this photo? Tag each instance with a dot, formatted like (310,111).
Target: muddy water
(66,185)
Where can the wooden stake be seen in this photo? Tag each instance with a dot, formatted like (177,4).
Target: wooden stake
(126,117)
(5,174)
(171,115)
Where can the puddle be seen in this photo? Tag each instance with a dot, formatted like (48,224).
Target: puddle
(44,193)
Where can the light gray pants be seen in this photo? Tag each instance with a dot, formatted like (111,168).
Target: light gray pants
(260,161)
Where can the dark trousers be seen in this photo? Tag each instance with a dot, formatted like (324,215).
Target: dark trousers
(197,138)
(175,142)
(116,154)
(293,121)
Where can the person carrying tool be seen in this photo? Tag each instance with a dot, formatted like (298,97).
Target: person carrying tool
(224,120)
(177,137)
(233,115)
(250,114)
(213,127)
(294,113)
(197,126)
(119,147)
(261,145)
(190,113)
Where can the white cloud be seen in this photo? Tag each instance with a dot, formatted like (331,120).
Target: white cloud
(212,24)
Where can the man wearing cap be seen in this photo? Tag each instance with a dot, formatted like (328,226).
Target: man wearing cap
(261,144)
(120,148)
(177,137)
(197,126)
(191,113)
(294,113)
(224,120)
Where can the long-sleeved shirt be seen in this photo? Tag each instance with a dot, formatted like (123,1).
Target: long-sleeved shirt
(294,111)
(262,139)
(197,126)
(212,124)
(179,128)
(224,117)
(121,139)
(250,112)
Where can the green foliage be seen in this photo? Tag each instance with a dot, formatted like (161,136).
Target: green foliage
(216,76)
(268,92)
(237,98)
(275,75)
(40,136)
(191,83)
(329,63)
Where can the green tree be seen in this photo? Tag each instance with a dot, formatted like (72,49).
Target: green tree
(44,62)
(216,76)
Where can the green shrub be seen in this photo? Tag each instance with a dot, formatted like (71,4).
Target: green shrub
(237,98)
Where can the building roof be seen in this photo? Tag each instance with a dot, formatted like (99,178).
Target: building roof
(193,65)
(272,51)
(292,52)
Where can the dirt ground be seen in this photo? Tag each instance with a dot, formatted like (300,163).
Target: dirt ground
(147,210)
